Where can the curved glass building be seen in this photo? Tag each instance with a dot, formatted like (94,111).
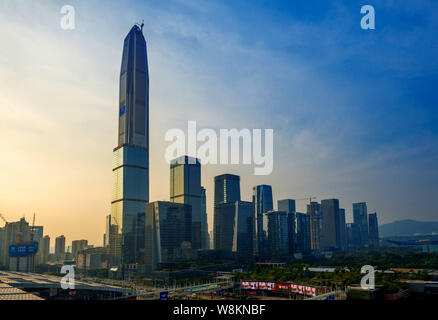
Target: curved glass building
(130,191)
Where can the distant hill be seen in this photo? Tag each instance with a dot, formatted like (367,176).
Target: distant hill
(407,228)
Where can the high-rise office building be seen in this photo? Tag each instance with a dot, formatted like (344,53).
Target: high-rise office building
(106,236)
(168,228)
(315,215)
(226,188)
(233,229)
(44,249)
(302,232)
(353,236)
(288,206)
(204,223)
(226,193)
(185,187)
(78,245)
(360,218)
(36,232)
(224,216)
(343,229)
(373,230)
(60,248)
(331,234)
(262,199)
(277,234)
(131,156)
(243,229)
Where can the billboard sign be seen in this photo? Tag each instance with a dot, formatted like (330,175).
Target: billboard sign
(23,250)
(285,287)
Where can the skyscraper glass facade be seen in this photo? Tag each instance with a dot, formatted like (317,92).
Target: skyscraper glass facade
(185,187)
(262,199)
(288,206)
(168,228)
(226,188)
(360,218)
(331,235)
(130,191)
(373,230)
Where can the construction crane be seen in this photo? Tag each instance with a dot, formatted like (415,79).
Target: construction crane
(32,229)
(3,218)
(310,198)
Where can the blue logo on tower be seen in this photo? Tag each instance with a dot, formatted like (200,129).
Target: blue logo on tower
(122,111)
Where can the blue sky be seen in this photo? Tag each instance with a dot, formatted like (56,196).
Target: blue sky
(354,112)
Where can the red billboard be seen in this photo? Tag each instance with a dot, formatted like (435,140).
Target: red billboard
(282,286)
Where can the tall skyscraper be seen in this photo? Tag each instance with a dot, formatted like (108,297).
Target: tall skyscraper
(315,215)
(331,234)
(233,228)
(226,193)
(360,218)
(185,187)
(373,230)
(243,229)
(275,224)
(204,223)
(224,216)
(226,188)
(131,156)
(343,229)
(262,199)
(288,206)
(302,232)
(44,249)
(106,236)
(60,247)
(167,233)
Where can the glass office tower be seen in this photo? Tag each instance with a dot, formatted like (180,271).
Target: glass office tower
(168,228)
(130,191)
(185,187)
(224,216)
(302,232)
(262,199)
(226,193)
(226,188)
(233,227)
(275,224)
(343,229)
(204,223)
(360,218)
(330,232)
(243,229)
(288,206)
(314,212)
(373,230)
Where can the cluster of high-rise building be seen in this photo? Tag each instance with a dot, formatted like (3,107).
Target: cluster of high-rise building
(283,232)
(23,247)
(154,235)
